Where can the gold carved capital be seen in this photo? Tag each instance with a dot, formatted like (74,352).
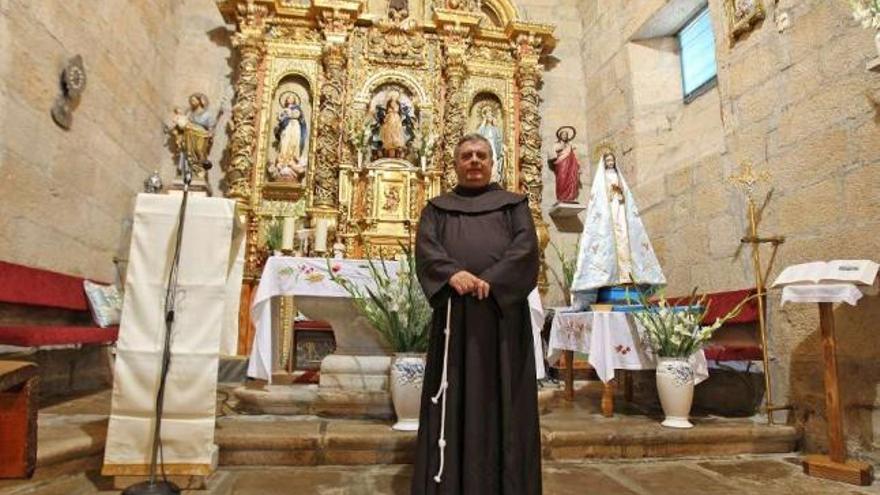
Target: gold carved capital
(336,18)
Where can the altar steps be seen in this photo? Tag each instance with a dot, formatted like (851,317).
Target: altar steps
(72,435)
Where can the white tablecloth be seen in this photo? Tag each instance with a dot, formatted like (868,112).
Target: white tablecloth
(291,276)
(613,340)
(190,394)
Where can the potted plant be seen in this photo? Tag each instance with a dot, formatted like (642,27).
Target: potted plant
(675,333)
(397,308)
(274,234)
(867,13)
(568,265)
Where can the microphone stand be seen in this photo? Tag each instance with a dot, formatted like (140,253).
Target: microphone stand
(152,486)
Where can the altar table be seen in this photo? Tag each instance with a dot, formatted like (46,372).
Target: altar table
(293,276)
(613,341)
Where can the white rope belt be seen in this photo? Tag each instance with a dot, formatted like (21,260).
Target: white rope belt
(444,385)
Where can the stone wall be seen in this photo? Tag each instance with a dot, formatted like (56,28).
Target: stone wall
(791,99)
(67,196)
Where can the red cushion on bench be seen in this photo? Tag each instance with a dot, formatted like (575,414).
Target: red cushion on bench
(24,285)
(722,353)
(720,303)
(37,336)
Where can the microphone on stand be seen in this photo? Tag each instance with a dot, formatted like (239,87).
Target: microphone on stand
(152,486)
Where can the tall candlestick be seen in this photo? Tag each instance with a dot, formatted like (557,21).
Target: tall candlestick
(287,233)
(321,235)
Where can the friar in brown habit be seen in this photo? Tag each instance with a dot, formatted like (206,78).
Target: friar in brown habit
(477,260)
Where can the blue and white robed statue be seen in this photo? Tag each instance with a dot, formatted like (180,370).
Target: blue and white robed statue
(614,250)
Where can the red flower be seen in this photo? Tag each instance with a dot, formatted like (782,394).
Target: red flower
(335,268)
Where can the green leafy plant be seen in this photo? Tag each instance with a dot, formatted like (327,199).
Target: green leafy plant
(395,304)
(274,234)
(677,331)
(568,265)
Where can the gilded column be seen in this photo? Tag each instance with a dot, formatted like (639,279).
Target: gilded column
(249,42)
(326,178)
(336,19)
(457,26)
(528,78)
(455,117)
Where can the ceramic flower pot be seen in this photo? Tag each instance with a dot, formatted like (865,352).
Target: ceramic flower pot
(407,373)
(675,385)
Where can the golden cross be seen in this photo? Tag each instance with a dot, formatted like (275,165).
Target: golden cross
(748,178)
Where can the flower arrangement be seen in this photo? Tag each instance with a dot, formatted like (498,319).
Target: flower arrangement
(677,331)
(274,232)
(866,12)
(427,141)
(568,265)
(395,305)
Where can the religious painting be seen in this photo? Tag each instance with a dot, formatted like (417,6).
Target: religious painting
(394,120)
(486,118)
(288,154)
(312,346)
(741,16)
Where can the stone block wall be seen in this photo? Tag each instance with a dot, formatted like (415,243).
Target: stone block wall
(793,99)
(67,196)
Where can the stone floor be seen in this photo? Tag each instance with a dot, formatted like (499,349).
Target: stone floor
(763,474)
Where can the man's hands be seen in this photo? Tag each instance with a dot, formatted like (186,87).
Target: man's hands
(465,282)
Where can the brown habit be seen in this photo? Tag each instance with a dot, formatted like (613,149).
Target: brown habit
(493,442)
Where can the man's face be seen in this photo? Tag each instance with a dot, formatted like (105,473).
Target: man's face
(473,164)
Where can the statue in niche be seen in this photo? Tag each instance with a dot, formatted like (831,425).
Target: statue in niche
(565,166)
(291,136)
(490,130)
(193,134)
(394,123)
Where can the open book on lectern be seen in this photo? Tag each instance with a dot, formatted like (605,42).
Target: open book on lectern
(862,273)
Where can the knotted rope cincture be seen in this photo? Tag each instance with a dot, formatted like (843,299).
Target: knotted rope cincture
(441,392)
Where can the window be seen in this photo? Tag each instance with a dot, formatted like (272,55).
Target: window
(697,43)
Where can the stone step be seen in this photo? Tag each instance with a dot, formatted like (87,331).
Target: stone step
(276,441)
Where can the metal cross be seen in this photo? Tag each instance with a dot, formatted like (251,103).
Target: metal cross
(748,178)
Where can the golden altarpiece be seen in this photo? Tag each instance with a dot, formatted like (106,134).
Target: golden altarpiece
(346,114)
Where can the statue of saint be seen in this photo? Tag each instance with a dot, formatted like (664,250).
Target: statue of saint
(395,126)
(614,248)
(489,129)
(565,166)
(291,134)
(193,133)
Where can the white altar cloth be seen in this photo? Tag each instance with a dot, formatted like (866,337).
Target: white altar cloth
(613,340)
(292,276)
(206,261)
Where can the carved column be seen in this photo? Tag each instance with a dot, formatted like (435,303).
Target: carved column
(336,19)
(326,179)
(528,80)
(455,117)
(249,42)
(457,27)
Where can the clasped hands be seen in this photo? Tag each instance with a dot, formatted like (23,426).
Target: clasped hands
(465,282)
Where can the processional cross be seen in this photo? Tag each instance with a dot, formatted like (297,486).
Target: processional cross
(748,181)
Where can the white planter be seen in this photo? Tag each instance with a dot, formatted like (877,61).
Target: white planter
(407,373)
(675,385)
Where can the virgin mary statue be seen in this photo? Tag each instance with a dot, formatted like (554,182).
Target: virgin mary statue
(290,133)
(614,248)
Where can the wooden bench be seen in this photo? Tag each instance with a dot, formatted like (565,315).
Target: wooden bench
(18,419)
(40,309)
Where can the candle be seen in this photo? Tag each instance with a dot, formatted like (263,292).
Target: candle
(287,233)
(321,235)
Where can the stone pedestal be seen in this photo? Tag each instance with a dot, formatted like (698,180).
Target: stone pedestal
(354,379)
